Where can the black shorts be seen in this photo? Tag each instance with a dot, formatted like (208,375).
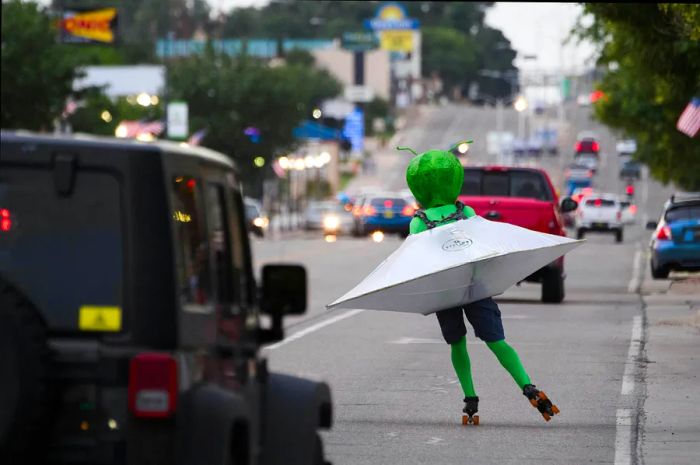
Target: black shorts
(483,315)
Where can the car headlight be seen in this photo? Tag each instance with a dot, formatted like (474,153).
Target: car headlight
(260,222)
(331,222)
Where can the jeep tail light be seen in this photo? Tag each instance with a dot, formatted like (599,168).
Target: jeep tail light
(408,211)
(152,385)
(664,233)
(595,146)
(577,147)
(5,221)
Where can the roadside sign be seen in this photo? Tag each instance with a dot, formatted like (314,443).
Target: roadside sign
(178,124)
(359,94)
(399,40)
(89,26)
(354,130)
(391,15)
(359,41)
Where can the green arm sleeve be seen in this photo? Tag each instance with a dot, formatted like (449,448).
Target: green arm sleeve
(469,211)
(417,226)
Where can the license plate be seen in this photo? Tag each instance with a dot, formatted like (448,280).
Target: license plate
(388,214)
(600,225)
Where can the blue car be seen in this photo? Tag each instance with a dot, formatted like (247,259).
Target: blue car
(388,214)
(675,244)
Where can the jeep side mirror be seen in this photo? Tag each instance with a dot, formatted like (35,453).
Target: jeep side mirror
(568,205)
(283,290)
(651,225)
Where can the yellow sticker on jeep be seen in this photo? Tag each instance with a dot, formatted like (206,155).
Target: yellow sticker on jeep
(93,318)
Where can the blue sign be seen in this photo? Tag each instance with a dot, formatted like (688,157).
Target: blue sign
(354,129)
(391,15)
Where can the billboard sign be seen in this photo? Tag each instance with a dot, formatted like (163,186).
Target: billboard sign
(89,26)
(178,124)
(391,15)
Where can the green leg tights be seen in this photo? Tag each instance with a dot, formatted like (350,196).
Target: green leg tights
(510,361)
(462,366)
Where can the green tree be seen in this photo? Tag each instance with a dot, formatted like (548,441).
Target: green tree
(227,95)
(653,70)
(37,73)
(449,53)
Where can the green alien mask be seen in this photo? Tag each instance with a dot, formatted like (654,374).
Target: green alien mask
(435,177)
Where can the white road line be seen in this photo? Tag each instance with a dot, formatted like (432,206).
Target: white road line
(632,357)
(313,328)
(624,418)
(623,437)
(637,272)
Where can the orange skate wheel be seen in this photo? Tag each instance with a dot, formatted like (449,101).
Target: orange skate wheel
(475,420)
(533,402)
(546,417)
(555,409)
(465,420)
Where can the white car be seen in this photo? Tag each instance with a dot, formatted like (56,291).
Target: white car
(626,147)
(600,213)
(588,160)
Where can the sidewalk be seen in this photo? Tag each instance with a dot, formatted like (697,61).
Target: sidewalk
(671,430)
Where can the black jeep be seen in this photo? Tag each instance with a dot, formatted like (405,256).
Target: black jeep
(130,320)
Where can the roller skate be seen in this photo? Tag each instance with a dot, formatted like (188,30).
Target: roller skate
(540,401)
(471,406)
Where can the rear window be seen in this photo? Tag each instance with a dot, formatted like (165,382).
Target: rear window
(600,203)
(388,202)
(690,212)
(64,251)
(511,183)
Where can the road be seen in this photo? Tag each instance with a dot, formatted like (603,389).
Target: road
(396,397)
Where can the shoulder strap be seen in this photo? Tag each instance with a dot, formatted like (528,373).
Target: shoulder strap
(456,216)
(430,224)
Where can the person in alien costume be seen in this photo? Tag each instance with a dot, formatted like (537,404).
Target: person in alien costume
(435,178)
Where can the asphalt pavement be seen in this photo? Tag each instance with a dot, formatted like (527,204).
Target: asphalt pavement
(396,397)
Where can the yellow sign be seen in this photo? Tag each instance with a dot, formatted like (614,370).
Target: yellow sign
(92,318)
(398,40)
(92,25)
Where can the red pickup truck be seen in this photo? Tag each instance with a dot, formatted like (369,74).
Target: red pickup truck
(523,197)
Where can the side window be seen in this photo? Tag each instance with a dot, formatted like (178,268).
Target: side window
(193,270)
(219,241)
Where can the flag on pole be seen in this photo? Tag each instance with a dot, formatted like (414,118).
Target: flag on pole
(197,137)
(689,122)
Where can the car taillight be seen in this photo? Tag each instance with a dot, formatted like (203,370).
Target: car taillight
(577,147)
(633,209)
(595,146)
(5,220)
(629,189)
(152,385)
(408,211)
(664,233)
(598,202)
(356,211)
(369,210)
(388,204)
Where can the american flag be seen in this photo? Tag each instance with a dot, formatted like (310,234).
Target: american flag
(133,129)
(197,137)
(689,122)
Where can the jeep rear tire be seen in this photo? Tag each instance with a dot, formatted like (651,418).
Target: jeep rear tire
(618,235)
(24,359)
(552,286)
(580,233)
